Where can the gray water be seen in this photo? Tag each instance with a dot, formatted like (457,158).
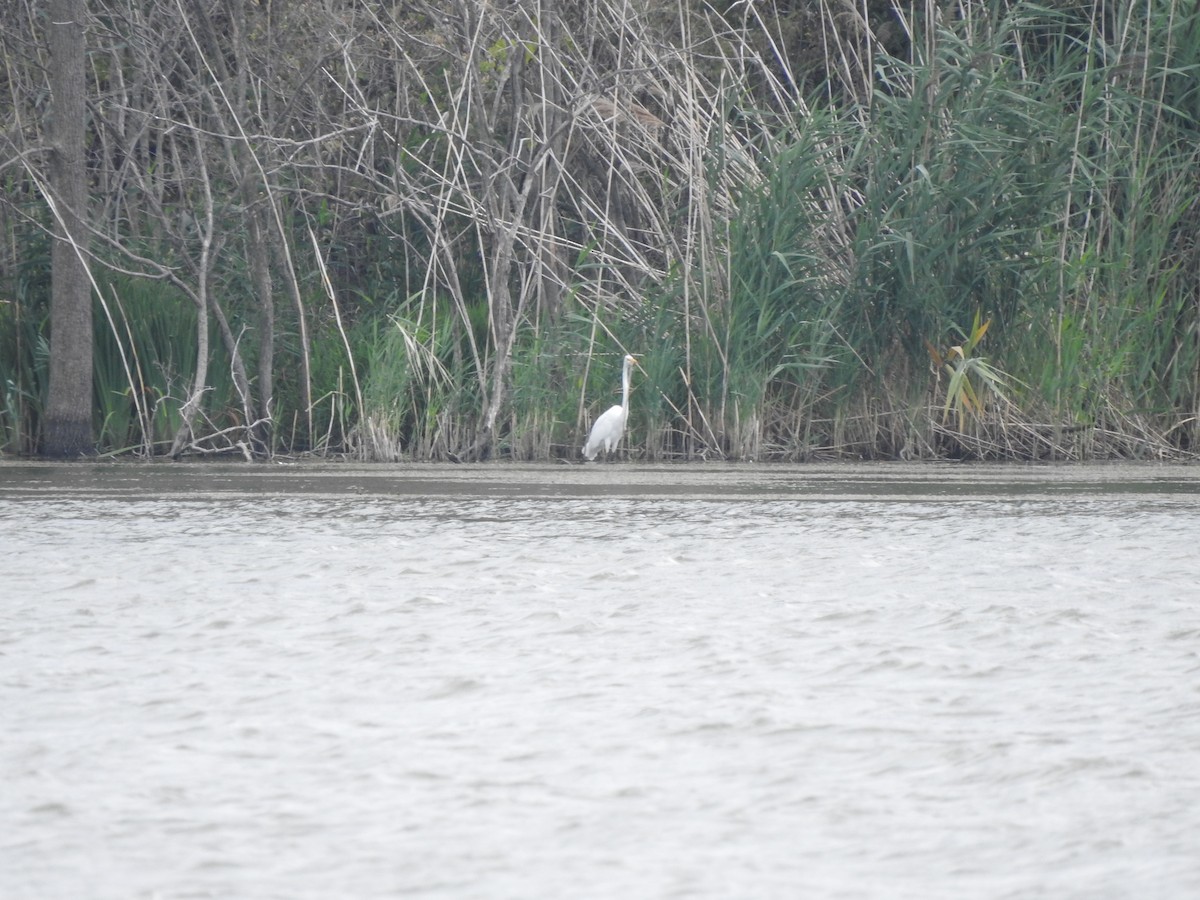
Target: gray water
(599,682)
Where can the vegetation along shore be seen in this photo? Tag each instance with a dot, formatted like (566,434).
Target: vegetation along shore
(411,230)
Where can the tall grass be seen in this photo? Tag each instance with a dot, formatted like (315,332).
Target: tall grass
(1056,200)
(151,324)
(779,215)
(24,348)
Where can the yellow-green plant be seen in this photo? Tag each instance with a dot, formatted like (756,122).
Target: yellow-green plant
(972,378)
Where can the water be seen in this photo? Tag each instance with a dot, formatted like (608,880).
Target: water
(622,681)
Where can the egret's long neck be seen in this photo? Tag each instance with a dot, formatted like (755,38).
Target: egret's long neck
(625,387)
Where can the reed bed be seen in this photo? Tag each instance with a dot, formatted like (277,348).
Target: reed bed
(435,230)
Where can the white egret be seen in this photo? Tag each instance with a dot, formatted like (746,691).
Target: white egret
(608,429)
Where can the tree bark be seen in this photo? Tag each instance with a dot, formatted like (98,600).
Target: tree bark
(68,423)
(260,270)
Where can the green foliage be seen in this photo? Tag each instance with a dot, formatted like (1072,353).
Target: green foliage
(24,349)
(1053,194)
(24,366)
(144,360)
(416,391)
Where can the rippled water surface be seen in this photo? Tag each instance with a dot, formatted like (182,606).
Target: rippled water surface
(599,682)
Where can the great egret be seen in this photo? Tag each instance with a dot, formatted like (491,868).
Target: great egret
(608,429)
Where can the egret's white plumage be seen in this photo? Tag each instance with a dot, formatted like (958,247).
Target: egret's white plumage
(608,429)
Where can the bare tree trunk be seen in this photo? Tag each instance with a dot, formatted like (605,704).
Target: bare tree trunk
(69,410)
(185,436)
(260,269)
(247,172)
(186,433)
